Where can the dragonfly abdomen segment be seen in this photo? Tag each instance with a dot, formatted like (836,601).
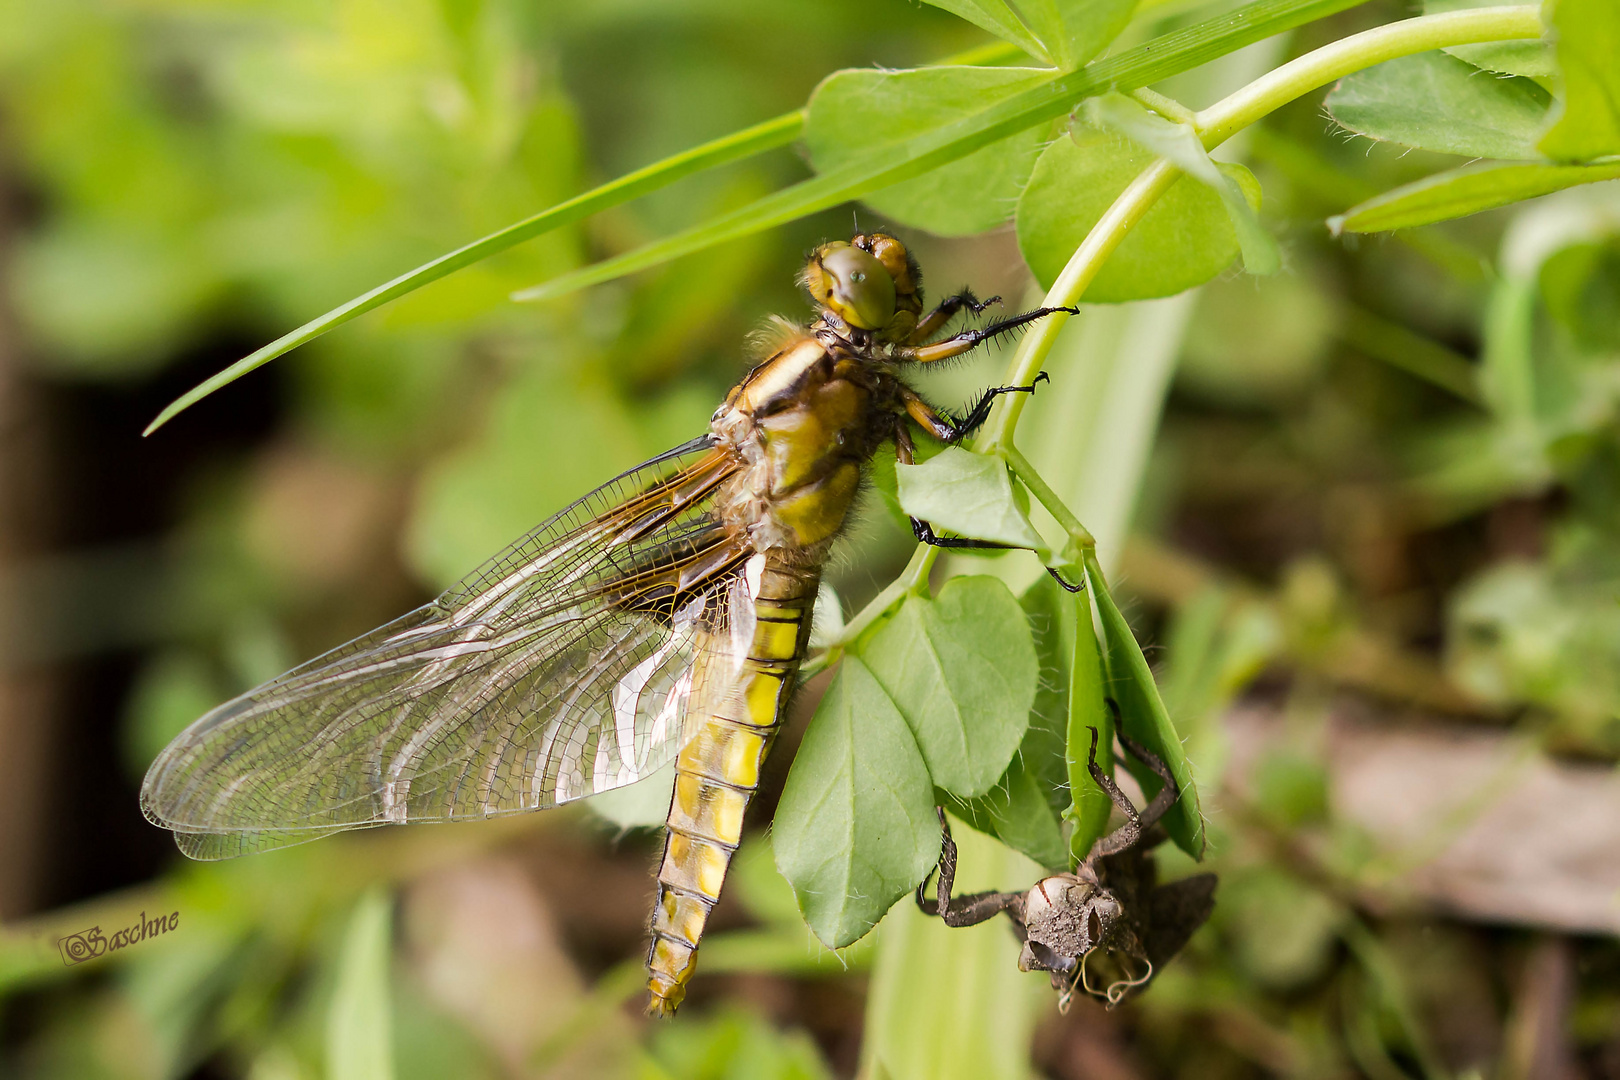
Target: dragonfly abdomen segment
(716,775)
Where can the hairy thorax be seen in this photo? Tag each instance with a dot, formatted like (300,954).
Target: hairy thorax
(803,423)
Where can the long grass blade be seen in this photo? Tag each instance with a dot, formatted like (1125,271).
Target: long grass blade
(1148,63)
(746,143)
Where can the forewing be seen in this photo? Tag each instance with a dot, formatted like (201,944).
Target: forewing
(566,665)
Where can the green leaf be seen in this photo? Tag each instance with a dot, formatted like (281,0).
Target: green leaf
(961,669)
(1181,145)
(1149,62)
(858,112)
(855,830)
(1436,102)
(1459,192)
(967,493)
(1532,59)
(1090,805)
(736,146)
(996,17)
(1050,612)
(1587,33)
(1014,811)
(1143,715)
(359,1025)
(1077,30)
(1010,810)
(1184,240)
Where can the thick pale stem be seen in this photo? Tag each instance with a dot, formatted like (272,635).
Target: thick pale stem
(1220,122)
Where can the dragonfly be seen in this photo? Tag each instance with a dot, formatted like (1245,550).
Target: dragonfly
(663,616)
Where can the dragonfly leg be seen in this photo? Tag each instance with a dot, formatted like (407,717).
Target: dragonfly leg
(946,428)
(946,311)
(963,910)
(958,344)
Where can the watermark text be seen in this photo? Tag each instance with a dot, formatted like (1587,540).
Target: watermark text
(91,943)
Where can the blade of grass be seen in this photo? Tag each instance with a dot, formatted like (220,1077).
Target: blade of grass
(741,144)
(1148,63)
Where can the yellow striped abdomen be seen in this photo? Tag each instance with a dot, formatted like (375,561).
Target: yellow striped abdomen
(717,773)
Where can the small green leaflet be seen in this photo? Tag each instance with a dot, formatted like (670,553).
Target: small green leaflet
(1459,192)
(938,697)
(1143,715)
(1180,143)
(1024,810)
(996,17)
(969,494)
(1088,711)
(961,669)
(1015,812)
(1433,101)
(855,830)
(1184,240)
(1076,30)
(1533,59)
(1588,41)
(862,111)
(1065,33)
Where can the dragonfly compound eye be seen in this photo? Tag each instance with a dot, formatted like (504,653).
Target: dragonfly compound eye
(855,285)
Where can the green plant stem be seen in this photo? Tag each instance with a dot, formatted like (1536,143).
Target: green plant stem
(1349,55)
(1133,203)
(1026,472)
(1220,122)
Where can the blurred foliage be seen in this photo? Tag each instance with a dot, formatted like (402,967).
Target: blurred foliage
(194,174)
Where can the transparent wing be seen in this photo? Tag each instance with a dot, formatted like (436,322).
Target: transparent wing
(566,665)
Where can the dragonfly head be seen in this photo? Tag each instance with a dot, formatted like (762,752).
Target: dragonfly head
(871,283)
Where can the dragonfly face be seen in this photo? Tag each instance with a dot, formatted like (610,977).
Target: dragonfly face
(662,616)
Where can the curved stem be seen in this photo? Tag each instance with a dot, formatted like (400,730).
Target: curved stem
(1349,55)
(1220,122)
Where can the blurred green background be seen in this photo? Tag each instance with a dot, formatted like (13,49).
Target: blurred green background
(1375,542)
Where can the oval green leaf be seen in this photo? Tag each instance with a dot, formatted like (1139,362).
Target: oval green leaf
(961,668)
(969,494)
(854,113)
(1184,240)
(1142,714)
(1432,101)
(1459,192)
(855,830)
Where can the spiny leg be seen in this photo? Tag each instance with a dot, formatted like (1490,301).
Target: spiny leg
(1167,795)
(946,311)
(958,344)
(965,910)
(944,427)
(947,428)
(1128,833)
